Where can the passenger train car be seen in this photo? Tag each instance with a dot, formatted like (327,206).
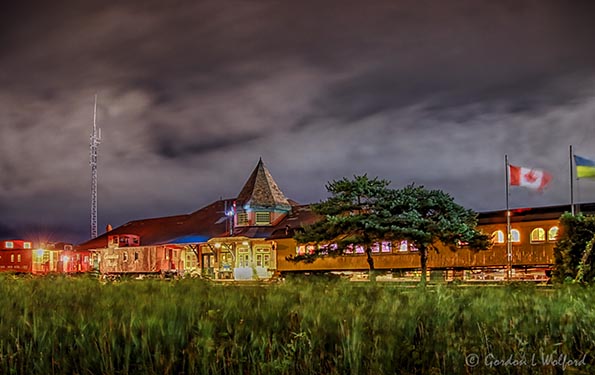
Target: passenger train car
(534,233)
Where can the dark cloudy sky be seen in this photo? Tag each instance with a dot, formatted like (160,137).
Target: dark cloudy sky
(192,93)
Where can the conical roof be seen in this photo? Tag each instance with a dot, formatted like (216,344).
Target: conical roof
(261,191)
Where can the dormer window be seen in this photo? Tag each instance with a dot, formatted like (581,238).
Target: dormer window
(263,218)
(9,244)
(242,218)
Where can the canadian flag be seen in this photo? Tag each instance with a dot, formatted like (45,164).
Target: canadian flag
(535,179)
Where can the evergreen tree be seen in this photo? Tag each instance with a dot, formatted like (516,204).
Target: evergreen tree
(573,251)
(429,218)
(364,211)
(351,218)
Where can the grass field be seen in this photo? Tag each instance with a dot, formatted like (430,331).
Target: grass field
(58,325)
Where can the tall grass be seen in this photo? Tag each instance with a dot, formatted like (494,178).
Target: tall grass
(81,326)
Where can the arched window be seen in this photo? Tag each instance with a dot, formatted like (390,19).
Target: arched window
(537,235)
(498,236)
(552,234)
(515,235)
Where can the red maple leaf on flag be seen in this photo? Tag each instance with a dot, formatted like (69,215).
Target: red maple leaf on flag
(530,176)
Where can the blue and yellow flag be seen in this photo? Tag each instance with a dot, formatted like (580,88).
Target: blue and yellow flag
(585,168)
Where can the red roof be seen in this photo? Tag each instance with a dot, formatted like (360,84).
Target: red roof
(209,221)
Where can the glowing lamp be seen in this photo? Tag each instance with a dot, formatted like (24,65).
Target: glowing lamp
(39,252)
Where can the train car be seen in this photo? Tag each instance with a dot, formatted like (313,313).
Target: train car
(125,255)
(16,256)
(534,233)
(20,256)
(70,260)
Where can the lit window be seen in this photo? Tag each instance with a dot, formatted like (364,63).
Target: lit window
(359,249)
(12,258)
(245,260)
(19,258)
(27,245)
(386,247)
(9,244)
(515,235)
(376,248)
(267,260)
(330,247)
(403,246)
(323,249)
(242,218)
(552,234)
(498,236)
(263,218)
(537,235)
(258,260)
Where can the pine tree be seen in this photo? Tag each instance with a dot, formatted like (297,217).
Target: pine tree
(365,211)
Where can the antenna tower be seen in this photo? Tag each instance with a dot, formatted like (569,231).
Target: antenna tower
(94,144)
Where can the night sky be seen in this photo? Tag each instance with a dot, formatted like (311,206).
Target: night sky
(192,93)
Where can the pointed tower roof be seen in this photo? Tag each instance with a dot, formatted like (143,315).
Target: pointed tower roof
(262,191)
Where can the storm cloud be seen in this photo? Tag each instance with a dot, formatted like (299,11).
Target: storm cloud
(191,94)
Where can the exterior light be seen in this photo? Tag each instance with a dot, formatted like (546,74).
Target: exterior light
(229,213)
(39,252)
(65,259)
(217,245)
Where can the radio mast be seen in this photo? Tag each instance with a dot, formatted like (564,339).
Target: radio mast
(94,144)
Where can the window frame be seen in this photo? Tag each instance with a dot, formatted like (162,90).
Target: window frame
(498,237)
(512,236)
(538,235)
(549,231)
(242,219)
(261,214)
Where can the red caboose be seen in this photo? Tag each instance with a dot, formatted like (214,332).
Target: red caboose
(19,256)
(16,256)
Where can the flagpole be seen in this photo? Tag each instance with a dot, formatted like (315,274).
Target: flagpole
(571,184)
(508,243)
